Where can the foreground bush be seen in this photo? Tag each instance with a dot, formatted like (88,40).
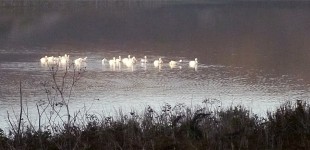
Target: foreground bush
(176,127)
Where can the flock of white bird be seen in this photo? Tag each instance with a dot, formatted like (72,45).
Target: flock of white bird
(128,61)
(60,60)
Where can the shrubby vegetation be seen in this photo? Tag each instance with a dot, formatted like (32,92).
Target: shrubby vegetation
(177,127)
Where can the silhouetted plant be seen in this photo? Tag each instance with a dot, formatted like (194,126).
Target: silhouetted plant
(289,126)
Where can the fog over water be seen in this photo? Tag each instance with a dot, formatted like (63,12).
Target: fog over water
(255,54)
(229,34)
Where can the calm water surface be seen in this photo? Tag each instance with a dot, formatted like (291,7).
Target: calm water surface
(248,55)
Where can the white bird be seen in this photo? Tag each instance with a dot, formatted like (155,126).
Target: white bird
(143,60)
(64,59)
(133,59)
(158,62)
(124,60)
(56,60)
(112,61)
(84,59)
(173,63)
(130,62)
(43,60)
(118,60)
(80,61)
(103,61)
(193,63)
(50,60)
(66,56)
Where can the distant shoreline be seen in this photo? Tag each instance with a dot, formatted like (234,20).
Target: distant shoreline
(144,3)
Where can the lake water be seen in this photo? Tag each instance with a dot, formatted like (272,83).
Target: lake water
(251,55)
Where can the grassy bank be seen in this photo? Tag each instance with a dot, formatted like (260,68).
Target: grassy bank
(177,127)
